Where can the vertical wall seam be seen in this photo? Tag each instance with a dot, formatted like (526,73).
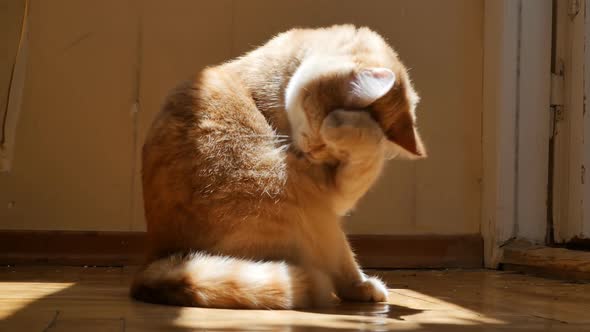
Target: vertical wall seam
(135,109)
(481,183)
(585,130)
(232,29)
(517,118)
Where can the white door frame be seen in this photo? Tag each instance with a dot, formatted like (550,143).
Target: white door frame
(516,122)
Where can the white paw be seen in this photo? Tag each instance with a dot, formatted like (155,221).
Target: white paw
(375,290)
(370,290)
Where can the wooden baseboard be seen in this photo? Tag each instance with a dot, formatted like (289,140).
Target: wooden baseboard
(71,248)
(561,263)
(418,251)
(125,248)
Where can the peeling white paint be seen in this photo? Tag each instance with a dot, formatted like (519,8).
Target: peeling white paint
(15,97)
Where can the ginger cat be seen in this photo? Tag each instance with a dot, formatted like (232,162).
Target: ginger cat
(249,167)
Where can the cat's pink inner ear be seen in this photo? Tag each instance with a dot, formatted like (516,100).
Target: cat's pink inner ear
(370,84)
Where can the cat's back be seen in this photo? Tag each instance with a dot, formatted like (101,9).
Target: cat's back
(212,127)
(209,154)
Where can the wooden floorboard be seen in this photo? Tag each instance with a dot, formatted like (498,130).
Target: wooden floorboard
(58,298)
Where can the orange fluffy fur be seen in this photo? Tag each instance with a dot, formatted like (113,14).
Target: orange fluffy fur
(249,167)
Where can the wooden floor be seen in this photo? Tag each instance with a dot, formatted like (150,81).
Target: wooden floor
(95,299)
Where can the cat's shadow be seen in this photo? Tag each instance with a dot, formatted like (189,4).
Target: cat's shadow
(376,310)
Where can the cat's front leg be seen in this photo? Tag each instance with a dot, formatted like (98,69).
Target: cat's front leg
(350,282)
(357,141)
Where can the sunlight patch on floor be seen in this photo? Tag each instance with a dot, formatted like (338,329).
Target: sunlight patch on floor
(411,310)
(18,295)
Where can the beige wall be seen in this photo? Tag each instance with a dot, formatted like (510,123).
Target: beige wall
(80,130)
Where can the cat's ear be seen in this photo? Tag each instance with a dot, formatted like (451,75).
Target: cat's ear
(403,139)
(368,85)
(395,151)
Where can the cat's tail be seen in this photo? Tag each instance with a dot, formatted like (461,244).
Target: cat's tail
(201,280)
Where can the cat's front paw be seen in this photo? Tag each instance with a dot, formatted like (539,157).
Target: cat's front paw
(369,290)
(352,131)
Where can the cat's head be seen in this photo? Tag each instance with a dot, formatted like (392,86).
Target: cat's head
(326,83)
